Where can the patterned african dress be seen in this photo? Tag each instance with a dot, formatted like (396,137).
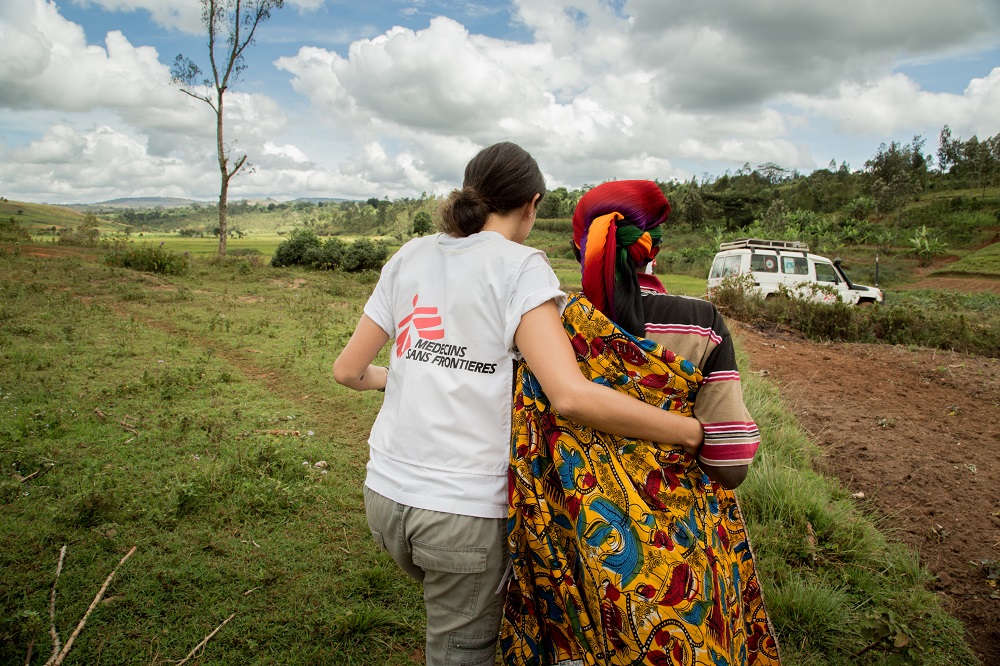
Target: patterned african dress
(623,552)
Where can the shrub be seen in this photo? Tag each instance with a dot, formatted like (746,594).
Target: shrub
(925,245)
(11,230)
(305,248)
(960,323)
(85,234)
(326,257)
(122,253)
(292,252)
(364,255)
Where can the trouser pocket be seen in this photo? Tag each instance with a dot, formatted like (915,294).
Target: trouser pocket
(453,577)
(471,649)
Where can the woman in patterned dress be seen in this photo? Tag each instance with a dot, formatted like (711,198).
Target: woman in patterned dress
(626,552)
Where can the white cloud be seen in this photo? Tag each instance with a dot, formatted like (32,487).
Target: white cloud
(68,165)
(46,65)
(603,89)
(45,62)
(582,116)
(440,79)
(730,53)
(287,152)
(883,107)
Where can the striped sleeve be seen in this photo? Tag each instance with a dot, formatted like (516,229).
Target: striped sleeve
(698,332)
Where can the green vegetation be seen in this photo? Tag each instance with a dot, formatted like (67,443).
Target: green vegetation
(193,416)
(120,253)
(12,230)
(984,262)
(943,320)
(895,208)
(40,217)
(205,247)
(305,248)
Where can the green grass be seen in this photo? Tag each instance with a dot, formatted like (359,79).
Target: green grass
(685,285)
(148,395)
(983,262)
(153,399)
(209,247)
(40,216)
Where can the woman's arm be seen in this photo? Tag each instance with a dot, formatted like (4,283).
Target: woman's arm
(727,477)
(542,341)
(353,367)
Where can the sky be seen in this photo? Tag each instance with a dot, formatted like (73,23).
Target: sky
(391,98)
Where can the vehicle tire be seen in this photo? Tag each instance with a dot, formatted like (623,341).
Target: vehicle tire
(865,304)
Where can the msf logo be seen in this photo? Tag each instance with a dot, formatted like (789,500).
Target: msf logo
(425,321)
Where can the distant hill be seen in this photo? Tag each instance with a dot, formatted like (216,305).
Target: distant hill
(317,200)
(35,216)
(139,202)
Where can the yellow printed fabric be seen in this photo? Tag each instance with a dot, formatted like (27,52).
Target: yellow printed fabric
(624,553)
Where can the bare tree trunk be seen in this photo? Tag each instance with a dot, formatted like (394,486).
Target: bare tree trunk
(223,204)
(224,169)
(225,15)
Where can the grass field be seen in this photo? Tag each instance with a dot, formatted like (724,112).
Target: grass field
(265,244)
(36,216)
(983,262)
(194,417)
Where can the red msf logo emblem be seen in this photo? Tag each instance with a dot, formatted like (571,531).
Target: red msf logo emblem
(425,321)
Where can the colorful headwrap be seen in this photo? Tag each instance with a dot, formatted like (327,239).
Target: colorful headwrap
(616,228)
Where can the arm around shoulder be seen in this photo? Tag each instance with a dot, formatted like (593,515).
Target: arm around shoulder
(542,341)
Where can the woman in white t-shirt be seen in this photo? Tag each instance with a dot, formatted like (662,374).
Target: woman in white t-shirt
(460,306)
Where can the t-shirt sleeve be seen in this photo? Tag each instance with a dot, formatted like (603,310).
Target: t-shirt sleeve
(379,305)
(534,284)
(731,435)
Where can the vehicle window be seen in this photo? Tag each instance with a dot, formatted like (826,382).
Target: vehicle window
(717,265)
(824,273)
(794,266)
(765,263)
(732,266)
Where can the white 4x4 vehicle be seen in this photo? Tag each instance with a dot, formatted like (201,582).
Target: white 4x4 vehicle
(774,262)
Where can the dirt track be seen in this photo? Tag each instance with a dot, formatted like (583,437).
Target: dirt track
(918,432)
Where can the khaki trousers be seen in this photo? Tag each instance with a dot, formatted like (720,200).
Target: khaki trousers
(460,561)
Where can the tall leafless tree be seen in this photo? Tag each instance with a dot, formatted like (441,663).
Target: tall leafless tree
(231,25)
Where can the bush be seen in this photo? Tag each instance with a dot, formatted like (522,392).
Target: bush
(292,252)
(947,321)
(11,230)
(122,253)
(925,245)
(364,255)
(326,257)
(305,248)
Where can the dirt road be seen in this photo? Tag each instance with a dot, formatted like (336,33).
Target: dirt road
(916,431)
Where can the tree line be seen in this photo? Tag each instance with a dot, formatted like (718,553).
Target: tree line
(836,203)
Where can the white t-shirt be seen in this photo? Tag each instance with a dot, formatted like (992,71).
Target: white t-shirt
(441,440)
